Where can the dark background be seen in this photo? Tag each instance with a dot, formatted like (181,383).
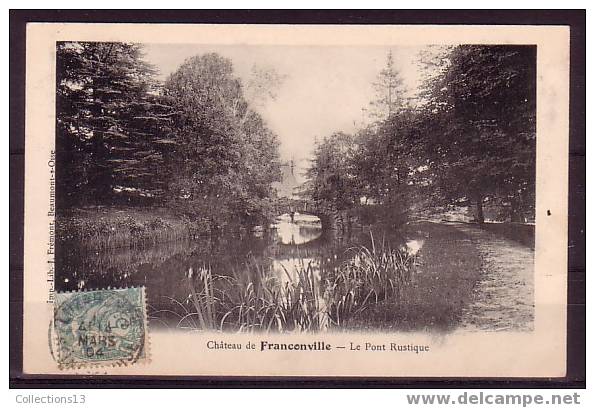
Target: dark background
(575,377)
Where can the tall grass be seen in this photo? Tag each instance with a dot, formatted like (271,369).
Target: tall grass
(304,301)
(369,276)
(101,229)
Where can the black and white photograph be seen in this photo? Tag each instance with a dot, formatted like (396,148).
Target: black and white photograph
(245,200)
(300,188)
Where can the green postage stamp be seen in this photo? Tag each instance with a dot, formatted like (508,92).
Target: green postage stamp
(100,327)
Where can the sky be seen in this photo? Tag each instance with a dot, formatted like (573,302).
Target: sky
(324,90)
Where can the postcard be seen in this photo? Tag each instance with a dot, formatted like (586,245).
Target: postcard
(296,200)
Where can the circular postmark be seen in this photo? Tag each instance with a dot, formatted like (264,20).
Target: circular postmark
(100,326)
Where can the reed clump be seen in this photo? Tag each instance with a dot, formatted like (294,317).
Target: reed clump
(369,277)
(303,300)
(108,228)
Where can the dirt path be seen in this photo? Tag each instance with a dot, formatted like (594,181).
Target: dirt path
(503,298)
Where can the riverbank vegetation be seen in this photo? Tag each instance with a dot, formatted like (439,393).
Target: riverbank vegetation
(192,145)
(442,280)
(306,299)
(102,228)
(466,139)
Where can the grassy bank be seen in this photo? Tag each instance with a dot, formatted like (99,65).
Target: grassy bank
(108,227)
(445,272)
(522,233)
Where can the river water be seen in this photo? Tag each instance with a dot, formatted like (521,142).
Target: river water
(164,269)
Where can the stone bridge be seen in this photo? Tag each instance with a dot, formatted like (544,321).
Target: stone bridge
(287,206)
(330,218)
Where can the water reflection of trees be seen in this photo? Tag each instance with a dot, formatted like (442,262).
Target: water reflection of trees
(164,269)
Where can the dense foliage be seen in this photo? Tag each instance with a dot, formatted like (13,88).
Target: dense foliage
(480,128)
(109,119)
(195,144)
(229,158)
(469,140)
(192,144)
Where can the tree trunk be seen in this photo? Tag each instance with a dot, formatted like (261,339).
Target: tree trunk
(515,210)
(479,207)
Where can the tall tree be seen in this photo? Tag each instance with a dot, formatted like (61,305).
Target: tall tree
(107,117)
(480,127)
(228,158)
(384,162)
(389,90)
